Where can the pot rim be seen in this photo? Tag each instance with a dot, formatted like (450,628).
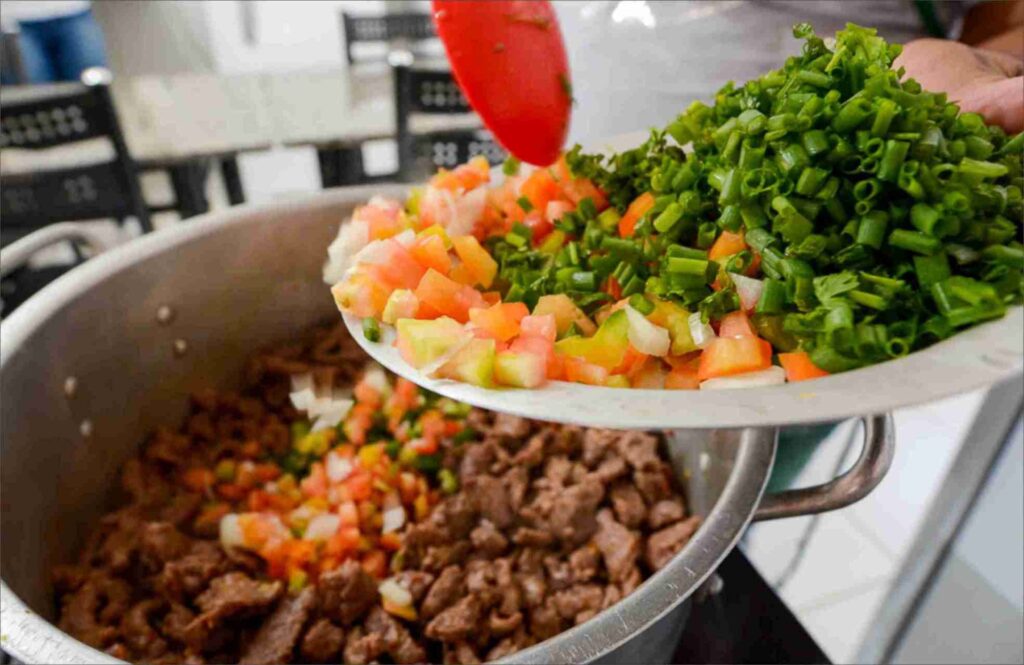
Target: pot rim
(31,638)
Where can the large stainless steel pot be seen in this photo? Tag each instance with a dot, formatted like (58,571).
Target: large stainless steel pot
(104,354)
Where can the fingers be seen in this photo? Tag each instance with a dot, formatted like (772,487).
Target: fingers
(1000,102)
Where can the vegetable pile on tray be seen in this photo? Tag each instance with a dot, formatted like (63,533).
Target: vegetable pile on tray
(826,215)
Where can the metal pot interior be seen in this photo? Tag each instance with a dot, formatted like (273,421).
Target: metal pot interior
(88,367)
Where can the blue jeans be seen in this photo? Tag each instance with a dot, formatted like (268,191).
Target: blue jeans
(60,49)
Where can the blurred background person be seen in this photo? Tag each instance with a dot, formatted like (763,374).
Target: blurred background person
(57,39)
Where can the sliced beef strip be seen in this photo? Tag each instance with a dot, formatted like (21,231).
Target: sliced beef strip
(161,542)
(346,593)
(457,622)
(491,499)
(322,643)
(545,621)
(532,453)
(237,594)
(579,602)
(534,588)
(361,647)
(442,556)
(138,633)
(416,582)
(628,504)
(665,512)
(572,514)
(511,427)
(460,653)
(397,641)
(277,636)
(529,537)
(640,449)
(619,546)
(654,484)
(448,588)
(89,612)
(517,482)
(596,443)
(188,576)
(584,563)
(476,460)
(488,540)
(610,469)
(176,621)
(663,545)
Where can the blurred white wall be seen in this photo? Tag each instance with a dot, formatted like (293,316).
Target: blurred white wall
(230,36)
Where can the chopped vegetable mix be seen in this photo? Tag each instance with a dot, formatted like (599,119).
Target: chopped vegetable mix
(344,491)
(825,216)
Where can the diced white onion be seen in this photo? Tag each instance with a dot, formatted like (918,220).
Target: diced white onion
(701,333)
(338,468)
(376,253)
(375,377)
(352,237)
(469,208)
(406,238)
(645,336)
(302,399)
(332,414)
(772,376)
(322,527)
(393,519)
(230,531)
(748,289)
(391,590)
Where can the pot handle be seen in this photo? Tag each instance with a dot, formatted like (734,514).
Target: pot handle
(19,252)
(869,469)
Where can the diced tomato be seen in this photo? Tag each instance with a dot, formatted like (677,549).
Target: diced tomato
(315,484)
(632,362)
(400,268)
(375,562)
(429,251)
(799,367)
(614,289)
(637,209)
(381,217)
(491,297)
(360,485)
(232,491)
(577,189)
(392,542)
(726,356)
(539,225)
(344,542)
(447,297)
(544,347)
(580,371)
(682,378)
(476,259)
(198,479)
(361,294)
(499,321)
(540,188)
(556,209)
(727,244)
(348,513)
(735,324)
(209,516)
(424,445)
(465,177)
(540,325)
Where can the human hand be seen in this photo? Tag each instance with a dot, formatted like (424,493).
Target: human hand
(981,81)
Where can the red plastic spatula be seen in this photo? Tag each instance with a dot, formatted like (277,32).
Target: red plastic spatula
(509,59)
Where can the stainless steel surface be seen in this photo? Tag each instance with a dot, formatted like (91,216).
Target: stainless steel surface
(237,280)
(18,253)
(875,459)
